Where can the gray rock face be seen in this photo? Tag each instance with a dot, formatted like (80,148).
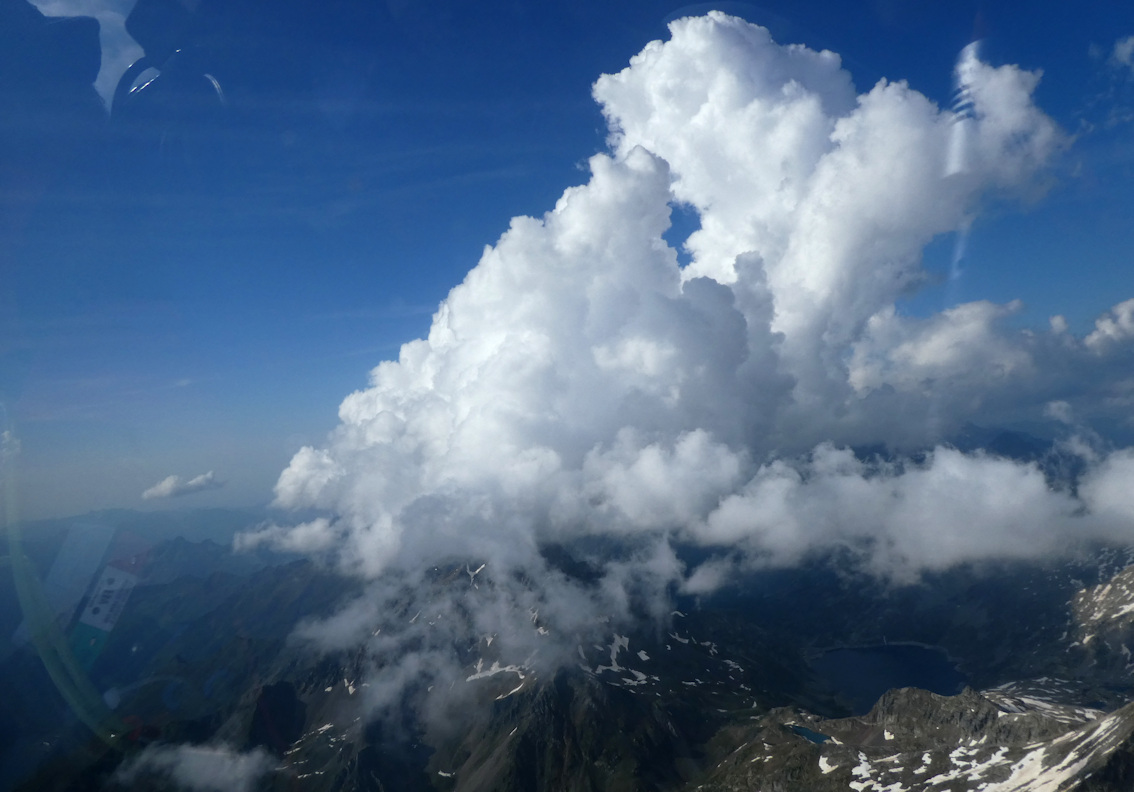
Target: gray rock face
(1103,626)
(914,741)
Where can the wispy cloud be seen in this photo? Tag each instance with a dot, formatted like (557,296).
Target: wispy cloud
(175,486)
(198,768)
(1122,55)
(1111,104)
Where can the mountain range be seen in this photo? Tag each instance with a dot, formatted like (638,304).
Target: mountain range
(992,676)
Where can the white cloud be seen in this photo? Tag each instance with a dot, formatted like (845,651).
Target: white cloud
(198,768)
(960,347)
(579,380)
(174,486)
(9,445)
(309,537)
(1109,488)
(903,518)
(1114,327)
(580,383)
(1059,411)
(1122,55)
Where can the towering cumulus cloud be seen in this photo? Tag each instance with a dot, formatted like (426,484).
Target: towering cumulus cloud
(581,382)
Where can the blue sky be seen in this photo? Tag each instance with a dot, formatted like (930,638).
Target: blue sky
(207,308)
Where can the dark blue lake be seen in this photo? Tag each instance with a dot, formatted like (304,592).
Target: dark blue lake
(860,675)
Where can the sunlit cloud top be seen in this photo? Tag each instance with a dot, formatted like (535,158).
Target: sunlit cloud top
(580,381)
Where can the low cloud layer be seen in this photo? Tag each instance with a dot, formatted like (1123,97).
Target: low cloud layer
(175,486)
(197,768)
(581,384)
